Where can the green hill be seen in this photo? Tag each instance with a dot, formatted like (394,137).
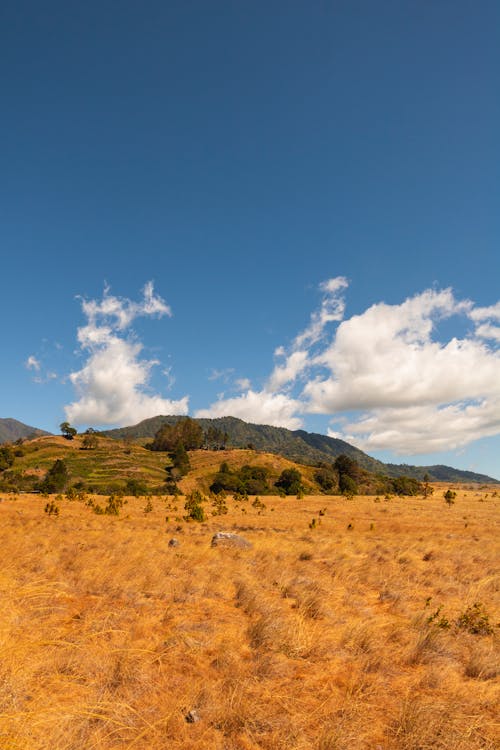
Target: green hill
(300,446)
(104,469)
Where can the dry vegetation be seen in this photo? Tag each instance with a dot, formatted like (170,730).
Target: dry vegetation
(354,631)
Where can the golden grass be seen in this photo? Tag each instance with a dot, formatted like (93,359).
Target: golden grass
(321,638)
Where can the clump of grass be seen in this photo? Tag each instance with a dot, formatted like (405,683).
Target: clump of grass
(475,620)
(51,509)
(258,504)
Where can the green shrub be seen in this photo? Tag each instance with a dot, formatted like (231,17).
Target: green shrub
(194,508)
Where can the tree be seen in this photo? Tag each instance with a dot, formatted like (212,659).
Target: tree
(185,432)
(347,485)
(290,481)
(326,478)
(6,456)
(348,471)
(90,440)
(406,486)
(56,478)
(136,487)
(215,439)
(67,430)
(180,460)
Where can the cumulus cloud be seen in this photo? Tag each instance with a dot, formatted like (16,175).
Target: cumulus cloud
(258,407)
(386,376)
(387,357)
(112,386)
(424,429)
(417,394)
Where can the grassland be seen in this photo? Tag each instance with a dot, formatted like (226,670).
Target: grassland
(345,632)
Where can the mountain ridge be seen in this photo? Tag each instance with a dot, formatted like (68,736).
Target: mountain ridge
(12,430)
(299,445)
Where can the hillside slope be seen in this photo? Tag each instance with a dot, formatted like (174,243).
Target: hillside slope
(300,446)
(108,467)
(12,430)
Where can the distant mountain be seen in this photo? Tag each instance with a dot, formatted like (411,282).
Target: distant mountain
(300,446)
(11,430)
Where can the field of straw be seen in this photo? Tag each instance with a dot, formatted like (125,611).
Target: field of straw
(365,623)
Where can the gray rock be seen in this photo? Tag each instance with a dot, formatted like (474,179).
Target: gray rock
(227,539)
(173,542)
(192,716)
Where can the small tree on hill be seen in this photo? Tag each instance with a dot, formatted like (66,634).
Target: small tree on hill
(90,440)
(6,457)
(67,430)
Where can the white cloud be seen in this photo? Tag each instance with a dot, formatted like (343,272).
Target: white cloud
(331,310)
(287,373)
(424,429)
(258,407)
(298,360)
(386,357)
(385,375)
(418,394)
(486,313)
(32,363)
(487,331)
(112,386)
(273,405)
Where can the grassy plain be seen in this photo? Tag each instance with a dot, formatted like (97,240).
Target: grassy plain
(345,632)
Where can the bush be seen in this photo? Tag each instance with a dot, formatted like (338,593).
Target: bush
(290,482)
(136,487)
(347,485)
(193,507)
(475,620)
(56,478)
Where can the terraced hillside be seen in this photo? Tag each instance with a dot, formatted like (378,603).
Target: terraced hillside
(108,467)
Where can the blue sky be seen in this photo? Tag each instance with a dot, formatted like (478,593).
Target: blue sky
(302,183)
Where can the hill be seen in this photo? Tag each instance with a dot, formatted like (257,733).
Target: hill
(12,430)
(299,446)
(113,463)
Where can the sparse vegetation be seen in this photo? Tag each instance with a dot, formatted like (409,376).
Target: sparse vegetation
(324,638)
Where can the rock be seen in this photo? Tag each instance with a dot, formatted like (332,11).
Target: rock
(227,539)
(173,542)
(192,716)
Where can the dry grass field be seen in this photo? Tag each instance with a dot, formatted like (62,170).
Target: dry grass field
(353,630)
